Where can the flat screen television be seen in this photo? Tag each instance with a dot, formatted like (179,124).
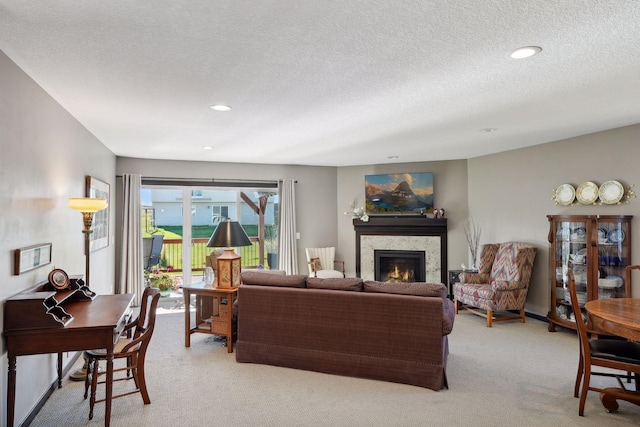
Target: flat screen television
(399,193)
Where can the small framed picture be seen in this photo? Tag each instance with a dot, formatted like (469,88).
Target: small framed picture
(30,257)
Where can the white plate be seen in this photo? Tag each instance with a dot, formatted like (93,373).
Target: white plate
(565,194)
(587,193)
(602,234)
(616,235)
(611,192)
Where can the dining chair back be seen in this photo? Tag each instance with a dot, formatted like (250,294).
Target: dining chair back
(133,349)
(616,354)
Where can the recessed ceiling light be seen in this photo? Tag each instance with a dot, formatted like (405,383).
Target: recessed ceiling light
(220,107)
(207,147)
(392,157)
(488,130)
(525,52)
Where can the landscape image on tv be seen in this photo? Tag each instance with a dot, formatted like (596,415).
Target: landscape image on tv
(399,192)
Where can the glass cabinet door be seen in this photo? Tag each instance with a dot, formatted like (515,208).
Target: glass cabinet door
(613,256)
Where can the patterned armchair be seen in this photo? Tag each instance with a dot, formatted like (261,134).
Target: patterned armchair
(501,283)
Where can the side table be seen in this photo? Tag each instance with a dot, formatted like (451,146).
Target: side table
(214,314)
(454,277)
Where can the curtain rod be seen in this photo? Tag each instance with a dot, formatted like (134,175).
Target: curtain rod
(211,180)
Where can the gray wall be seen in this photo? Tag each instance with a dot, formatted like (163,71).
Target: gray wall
(315,191)
(510,193)
(450,193)
(45,156)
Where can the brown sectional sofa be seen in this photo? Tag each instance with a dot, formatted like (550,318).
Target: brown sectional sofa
(389,332)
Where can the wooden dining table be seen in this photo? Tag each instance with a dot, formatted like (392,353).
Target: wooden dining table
(620,317)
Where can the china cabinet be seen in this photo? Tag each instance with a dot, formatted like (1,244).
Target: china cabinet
(597,248)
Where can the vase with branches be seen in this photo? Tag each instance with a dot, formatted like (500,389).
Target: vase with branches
(472,232)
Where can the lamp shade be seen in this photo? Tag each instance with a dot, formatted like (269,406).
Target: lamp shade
(229,234)
(87,204)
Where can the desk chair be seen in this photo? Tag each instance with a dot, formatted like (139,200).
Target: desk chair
(607,353)
(132,349)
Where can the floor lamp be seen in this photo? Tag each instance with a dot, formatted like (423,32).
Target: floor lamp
(87,206)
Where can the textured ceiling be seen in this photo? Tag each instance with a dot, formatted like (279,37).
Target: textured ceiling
(322,82)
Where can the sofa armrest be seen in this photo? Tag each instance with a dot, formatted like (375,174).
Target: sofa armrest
(448,316)
(505,285)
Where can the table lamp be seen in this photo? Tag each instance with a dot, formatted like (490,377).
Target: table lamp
(229,235)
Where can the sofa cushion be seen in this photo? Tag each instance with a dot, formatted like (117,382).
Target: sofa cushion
(265,279)
(421,289)
(339,284)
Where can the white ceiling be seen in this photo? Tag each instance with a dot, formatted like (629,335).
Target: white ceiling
(330,82)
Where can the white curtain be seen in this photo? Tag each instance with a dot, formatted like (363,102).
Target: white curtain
(131,271)
(287,250)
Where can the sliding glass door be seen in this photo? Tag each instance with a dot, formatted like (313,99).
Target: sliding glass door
(187,216)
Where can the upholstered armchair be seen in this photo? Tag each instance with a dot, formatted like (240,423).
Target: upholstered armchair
(322,263)
(501,283)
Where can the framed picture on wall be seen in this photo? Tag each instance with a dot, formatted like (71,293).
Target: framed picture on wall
(99,238)
(399,192)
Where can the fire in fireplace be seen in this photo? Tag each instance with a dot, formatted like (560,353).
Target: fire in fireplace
(399,266)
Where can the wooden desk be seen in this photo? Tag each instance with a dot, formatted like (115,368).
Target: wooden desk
(96,324)
(621,317)
(214,313)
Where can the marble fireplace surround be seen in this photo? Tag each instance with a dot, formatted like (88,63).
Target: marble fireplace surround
(402,233)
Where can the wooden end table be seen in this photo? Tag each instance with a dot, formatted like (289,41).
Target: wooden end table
(214,314)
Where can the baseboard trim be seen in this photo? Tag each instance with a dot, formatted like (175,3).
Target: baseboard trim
(54,385)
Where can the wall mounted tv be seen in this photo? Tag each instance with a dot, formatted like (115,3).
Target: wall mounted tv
(399,193)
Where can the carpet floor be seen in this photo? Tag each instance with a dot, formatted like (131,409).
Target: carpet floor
(510,375)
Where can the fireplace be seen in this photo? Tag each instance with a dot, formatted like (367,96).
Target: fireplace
(402,233)
(399,266)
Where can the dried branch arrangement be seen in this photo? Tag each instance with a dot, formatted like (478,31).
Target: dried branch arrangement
(472,232)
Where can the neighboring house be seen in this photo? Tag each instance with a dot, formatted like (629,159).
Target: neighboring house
(208,207)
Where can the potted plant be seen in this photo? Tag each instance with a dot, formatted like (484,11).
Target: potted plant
(271,245)
(161,280)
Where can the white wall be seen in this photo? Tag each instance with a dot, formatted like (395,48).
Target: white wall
(45,155)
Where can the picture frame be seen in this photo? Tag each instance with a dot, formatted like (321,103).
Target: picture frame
(99,237)
(31,257)
(392,193)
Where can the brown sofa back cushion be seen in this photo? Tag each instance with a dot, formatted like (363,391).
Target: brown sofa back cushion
(420,289)
(338,284)
(264,279)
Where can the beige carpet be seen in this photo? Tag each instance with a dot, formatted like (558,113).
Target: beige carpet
(510,375)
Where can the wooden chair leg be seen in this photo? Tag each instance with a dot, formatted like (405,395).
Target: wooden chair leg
(576,388)
(456,304)
(522,315)
(583,393)
(142,384)
(489,318)
(94,386)
(89,363)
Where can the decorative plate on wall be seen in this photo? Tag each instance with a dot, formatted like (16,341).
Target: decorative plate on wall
(565,194)
(611,192)
(587,193)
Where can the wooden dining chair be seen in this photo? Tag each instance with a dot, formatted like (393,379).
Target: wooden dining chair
(132,349)
(610,353)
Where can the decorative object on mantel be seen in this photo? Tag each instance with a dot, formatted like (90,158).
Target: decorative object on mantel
(472,232)
(357,211)
(438,212)
(588,193)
